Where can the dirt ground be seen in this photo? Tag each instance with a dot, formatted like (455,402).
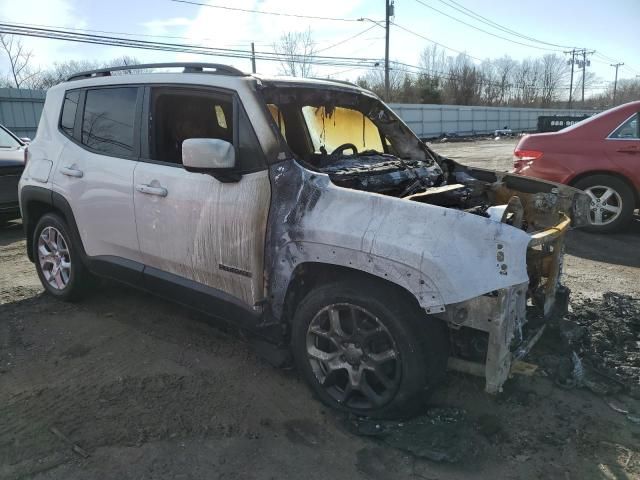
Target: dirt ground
(135,387)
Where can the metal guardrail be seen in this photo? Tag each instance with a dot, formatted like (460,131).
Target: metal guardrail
(431,121)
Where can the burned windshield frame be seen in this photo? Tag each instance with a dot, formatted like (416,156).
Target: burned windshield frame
(400,140)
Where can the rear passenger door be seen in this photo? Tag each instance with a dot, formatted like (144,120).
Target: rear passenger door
(95,169)
(195,229)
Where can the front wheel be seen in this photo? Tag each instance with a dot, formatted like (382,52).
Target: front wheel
(612,202)
(57,259)
(367,349)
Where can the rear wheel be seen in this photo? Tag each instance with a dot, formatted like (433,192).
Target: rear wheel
(367,349)
(57,259)
(612,202)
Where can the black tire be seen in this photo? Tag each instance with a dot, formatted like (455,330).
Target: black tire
(79,280)
(421,343)
(625,194)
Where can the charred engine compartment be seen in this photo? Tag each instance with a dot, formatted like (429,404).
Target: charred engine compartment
(374,172)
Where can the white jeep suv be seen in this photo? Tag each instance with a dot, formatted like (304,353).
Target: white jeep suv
(305,210)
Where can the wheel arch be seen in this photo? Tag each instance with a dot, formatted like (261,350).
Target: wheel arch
(308,275)
(38,201)
(572,181)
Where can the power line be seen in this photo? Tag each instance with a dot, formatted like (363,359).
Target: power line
(480,29)
(353,63)
(346,39)
(263,12)
(181,48)
(434,42)
(343,71)
(470,13)
(29,25)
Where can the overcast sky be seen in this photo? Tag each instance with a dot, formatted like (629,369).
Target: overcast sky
(610,28)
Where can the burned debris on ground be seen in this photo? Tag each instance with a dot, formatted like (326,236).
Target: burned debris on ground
(599,346)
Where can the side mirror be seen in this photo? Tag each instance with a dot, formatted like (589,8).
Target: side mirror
(25,139)
(209,155)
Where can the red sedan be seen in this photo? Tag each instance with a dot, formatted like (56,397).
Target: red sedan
(600,155)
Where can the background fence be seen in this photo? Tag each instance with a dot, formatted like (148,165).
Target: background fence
(20,111)
(434,120)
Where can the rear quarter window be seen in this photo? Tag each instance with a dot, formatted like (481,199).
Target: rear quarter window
(628,130)
(69,109)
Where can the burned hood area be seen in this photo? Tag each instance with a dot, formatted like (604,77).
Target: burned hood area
(361,144)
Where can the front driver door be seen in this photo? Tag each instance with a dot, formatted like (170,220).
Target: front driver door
(622,147)
(199,229)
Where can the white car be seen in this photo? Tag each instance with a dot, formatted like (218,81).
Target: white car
(305,210)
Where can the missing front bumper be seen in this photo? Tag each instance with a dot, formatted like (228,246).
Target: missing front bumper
(502,315)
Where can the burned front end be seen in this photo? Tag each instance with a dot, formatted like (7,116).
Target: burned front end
(492,331)
(480,250)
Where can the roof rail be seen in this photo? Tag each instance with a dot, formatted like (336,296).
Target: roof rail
(343,82)
(188,68)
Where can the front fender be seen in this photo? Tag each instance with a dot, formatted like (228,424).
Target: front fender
(440,255)
(421,286)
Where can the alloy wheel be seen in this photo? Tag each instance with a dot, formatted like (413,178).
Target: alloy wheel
(606,204)
(353,356)
(54,258)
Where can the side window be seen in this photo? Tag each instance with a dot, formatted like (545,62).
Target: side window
(69,109)
(179,114)
(109,116)
(628,130)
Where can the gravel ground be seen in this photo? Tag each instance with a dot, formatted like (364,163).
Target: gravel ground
(148,390)
(485,153)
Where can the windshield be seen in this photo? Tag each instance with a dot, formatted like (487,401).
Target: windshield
(324,124)
(7,140)
(329,129)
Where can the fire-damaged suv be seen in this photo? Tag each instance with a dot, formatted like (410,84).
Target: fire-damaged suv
(305,210)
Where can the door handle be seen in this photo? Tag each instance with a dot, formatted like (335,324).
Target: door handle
(631,149)
(71,172)
(150,190)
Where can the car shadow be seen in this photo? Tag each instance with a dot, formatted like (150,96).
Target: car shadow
(617,248)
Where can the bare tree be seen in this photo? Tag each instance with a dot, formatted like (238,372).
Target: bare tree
(433,61)
(504,68)
(554,72)
(61,71)
(463,83)
(489,82)
(374,80)
(294,50)
(525,78)
(19,61)
(628,90)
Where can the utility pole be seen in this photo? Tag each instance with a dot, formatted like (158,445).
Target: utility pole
(572,63)
(615,83)
(585,63)
(388,13)
(253,57)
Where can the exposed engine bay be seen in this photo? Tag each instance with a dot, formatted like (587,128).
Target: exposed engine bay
(375,172)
